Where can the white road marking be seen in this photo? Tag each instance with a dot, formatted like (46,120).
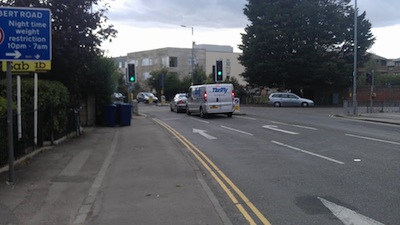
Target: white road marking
(200,120)
(305,127)
(273,127)
(294,125)
(280,123)
(373,139)
(233,129)
(245,117)
(203,133)
(348,216)
(307,152)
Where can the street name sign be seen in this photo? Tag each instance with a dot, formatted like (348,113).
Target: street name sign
(25,34)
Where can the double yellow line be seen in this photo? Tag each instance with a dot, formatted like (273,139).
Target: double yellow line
(220,177)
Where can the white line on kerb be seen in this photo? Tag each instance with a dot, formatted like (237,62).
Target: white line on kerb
(373,139)
(243,132)
(307,152)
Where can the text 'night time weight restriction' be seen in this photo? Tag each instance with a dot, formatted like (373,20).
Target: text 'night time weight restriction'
(25,34)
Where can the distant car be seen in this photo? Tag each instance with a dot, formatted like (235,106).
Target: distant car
(145,97)
(178,104)
(289,99)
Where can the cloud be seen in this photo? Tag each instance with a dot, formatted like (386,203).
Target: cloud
(223,13)
(198,13)
(216,21)
(381,13)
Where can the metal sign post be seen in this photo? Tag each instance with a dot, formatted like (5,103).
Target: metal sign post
(25,35)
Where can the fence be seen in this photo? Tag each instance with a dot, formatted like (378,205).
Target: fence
(25,144)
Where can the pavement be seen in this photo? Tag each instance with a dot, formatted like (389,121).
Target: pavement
(117,175)
(384,117)
(133,174)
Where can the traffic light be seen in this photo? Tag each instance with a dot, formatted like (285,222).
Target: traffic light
(368,78)
(131,73)
(218,72)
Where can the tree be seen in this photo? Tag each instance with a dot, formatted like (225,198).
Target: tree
(170,81)
(301,44)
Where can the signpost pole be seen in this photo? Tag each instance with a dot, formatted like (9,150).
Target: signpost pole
(11,174)
(35,109)
(19,118)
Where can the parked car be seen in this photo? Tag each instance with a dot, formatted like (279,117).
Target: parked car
(178,104)
(145,97)
(289,99)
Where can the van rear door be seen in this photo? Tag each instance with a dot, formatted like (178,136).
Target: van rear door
(220,98)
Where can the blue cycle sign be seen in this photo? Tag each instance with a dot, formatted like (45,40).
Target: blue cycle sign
(25,34)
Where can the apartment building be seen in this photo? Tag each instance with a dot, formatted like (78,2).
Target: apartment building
(386,66)
(180,60)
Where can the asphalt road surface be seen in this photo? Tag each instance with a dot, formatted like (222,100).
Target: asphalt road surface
(294,165)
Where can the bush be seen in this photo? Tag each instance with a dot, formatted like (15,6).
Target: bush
(53,110)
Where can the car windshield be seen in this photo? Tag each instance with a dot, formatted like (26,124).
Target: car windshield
(182,96)
(148,94)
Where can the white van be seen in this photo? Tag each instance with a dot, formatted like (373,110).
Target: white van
(210,99)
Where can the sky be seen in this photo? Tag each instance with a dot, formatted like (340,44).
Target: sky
(151,24)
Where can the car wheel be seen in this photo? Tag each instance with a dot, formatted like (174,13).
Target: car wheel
(277,104)
(170,107)
(229,115)
(304,104)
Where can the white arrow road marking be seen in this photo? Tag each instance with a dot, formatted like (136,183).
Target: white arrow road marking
(233,129)
(348,216)
(273,127)
(204,134)
(16,54)
(307,152)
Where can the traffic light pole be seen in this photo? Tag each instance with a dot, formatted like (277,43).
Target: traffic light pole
(355,61)
(372,91)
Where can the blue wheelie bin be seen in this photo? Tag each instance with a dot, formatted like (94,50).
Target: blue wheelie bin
(124,114)
(110,115)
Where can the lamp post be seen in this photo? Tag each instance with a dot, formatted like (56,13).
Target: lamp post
(192,59)
(355,60)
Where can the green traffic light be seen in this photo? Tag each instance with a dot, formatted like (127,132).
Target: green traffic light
(219,73)
(132,79)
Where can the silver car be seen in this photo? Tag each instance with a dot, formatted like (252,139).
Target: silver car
(289,99)
(145,97)
(178,104)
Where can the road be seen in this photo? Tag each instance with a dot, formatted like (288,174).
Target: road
(294,165)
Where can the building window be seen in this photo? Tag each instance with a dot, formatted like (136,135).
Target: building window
(147,62)
(397,64)
(146,75)
(173,61)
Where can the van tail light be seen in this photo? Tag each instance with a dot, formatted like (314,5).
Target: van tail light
(233,95)
(205,96)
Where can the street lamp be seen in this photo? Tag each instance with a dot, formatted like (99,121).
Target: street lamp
(192,51)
